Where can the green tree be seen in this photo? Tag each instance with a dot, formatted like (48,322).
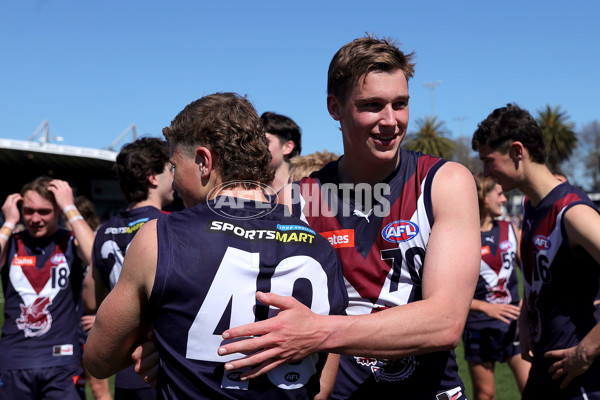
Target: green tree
(559,134)
(430,138)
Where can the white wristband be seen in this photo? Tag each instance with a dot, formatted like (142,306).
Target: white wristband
(9,225)
(2,235)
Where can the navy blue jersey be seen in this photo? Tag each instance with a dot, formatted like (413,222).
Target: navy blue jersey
(560,284)
(42,281)
(110,245)
(113,238)
(381,234)
(210,265)
(498,281)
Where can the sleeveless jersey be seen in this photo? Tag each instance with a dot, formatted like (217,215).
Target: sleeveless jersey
(498,281)
(210,265)
(560,284)
(42,282)
(110,245)
(381,234)
(113,238)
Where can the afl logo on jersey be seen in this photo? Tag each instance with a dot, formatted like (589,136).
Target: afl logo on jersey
(292,376)
(400,231)
(505,245)
(58,259)
(541,242)
(234,376)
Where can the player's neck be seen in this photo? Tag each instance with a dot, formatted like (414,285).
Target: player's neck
(538,183)
(254,194)
(282,177)
(486,223)
(354,170)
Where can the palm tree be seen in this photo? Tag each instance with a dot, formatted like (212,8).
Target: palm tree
(430,138)
(558,133)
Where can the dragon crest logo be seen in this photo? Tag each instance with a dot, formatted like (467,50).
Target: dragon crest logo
(35,320)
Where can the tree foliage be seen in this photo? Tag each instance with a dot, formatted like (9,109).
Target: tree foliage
(559,134)
(430,138)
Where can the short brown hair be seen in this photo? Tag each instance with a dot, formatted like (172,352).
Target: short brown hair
(136,162)
(361,56)
(506,125)
(40,186)
(228,125)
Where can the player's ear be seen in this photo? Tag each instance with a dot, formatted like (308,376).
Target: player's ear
(517,150)
(333,106)
(205,161)
(288,147)
(153,180)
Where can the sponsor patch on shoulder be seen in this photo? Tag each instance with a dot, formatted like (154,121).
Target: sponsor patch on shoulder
(400,231)
(340,238)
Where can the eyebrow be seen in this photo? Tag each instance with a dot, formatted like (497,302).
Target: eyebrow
(371,99)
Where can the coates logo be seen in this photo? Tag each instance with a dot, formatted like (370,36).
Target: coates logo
(24,261)
(247,202)
(505,245)
(400,231)
(340,238)
(541,242)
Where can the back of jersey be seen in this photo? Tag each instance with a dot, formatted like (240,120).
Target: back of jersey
(209,269)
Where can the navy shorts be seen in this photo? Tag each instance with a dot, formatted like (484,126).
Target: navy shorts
(491,344)
(540,384)
(51,383)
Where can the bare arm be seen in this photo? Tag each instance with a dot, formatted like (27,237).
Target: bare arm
(12,216)
(121,320)
(450,273)
(63,194)
(499,311)
(582,224)
(328,375)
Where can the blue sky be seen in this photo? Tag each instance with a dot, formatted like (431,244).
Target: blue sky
(94,67)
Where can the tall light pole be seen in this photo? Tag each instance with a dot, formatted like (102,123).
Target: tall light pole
(460,119)
(432,86)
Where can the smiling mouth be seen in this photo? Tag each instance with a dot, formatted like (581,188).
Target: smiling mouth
(384,138)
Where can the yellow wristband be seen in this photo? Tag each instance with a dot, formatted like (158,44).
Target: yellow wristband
(71,213)
(5,232)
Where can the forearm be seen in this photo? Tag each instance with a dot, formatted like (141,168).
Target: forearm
(416,328)
(85,240)
(478,305)
(589,347)
(5,232)
(103,355)
(88,293)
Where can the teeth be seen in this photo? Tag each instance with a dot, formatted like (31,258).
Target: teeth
(383,137)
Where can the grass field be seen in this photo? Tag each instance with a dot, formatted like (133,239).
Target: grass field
(506,388)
